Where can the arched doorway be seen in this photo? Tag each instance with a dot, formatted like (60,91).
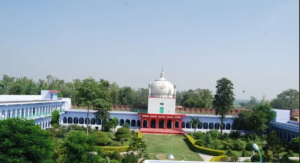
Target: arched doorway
(228,126)
(200,126)
(205,126)
(217,126)
(121,122)
(128,121)
(169,124)
(211,126)
(93,121)
(81,120)
(133,123)
(145,124)
(183,124)
(161,123)
(176,124)
(76,120)
(188,125)
(65,120)
(70,120)
(153,123)
(138,123)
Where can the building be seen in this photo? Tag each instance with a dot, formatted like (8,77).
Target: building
(160,116)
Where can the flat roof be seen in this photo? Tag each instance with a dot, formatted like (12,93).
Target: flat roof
(29,101)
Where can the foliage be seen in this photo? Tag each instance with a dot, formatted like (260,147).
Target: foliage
(251,104)
(107,125)
(204,150)
(115,148)
(114,122)
(122,133)
(223,99)
(249,146)
(78,147)
(101,138)
(222,158)
(216,144)
(227,144)
(235,134)
(215,134)
(245,153)
(194,122)
(207,140)
(295,143)
(126,125)
(199,142)
(23,141)
(140,147)
(273,145)
(198,135)
(288,99)
(200,98)
(238,144)
(139,135)
(129,158)
(55,119)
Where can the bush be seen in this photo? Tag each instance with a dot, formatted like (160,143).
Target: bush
(126,125)
(114,148)
(139,135)
(256,158)
(227,144)
(101,138)
(215,134)
(245,153)
(191,134)
(225,136)
(235,134)
(222,158)
(199,142)
(216,144)
(249,146)
(239,144)
(198,135)
(290,153)
(123,133)
(113,143)
(129,158)
(295,143)
(203,149)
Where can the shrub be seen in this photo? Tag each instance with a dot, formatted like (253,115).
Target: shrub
(203,149)
(123,133)
(126,125)
(215,134)
(199,142)
(113,143)
(101,138)
(191,134)
(225,136)
(114,148)
(221,158)
(129,158)
(295,143)
(249,146)
(245,153)
(227,144)
(290,153)
(239,144)
(207,140)
(235,134)
(256,158)
(216,144)
(139,135)
(198,135)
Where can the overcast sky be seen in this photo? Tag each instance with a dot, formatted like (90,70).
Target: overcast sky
(253,43)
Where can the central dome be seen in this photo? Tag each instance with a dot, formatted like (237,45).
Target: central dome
(162,88)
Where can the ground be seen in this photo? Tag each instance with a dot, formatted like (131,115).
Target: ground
(158,144)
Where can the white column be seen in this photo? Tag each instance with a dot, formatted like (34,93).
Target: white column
(20,113)
(16,113)
(31,112)
(5,114)
(28,112)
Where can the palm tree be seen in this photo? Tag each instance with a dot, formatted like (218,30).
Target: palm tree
(195,121)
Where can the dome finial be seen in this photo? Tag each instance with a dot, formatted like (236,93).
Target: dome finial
(162,72)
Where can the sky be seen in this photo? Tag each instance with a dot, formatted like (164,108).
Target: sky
(253,43)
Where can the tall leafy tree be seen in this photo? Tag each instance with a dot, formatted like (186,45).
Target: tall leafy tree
(55,119)
(114,93)
(223,99)
(126,96)
(23,141)
(288,99)
(195,121)
(141,97)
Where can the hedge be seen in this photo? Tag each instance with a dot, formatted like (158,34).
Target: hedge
(219,158)
(139,135)
(204,150)
(115,148)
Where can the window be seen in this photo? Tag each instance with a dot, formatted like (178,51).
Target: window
(161,103)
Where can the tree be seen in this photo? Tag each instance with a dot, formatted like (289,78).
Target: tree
(252,103)
(242,121)
(273,144)
(114,93)
(140,147)
(23,141)
(126,96)
(114,122)
(79,147)
(295,143)
(55,119)
(122,133)
(129,158)
(195,121)
(288,99)
(101,138)
(223,99)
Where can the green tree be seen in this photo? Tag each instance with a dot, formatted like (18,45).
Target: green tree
(114,93)
(122,133)
(23,141)
(140,147)
(126,96)
(252,103)
(195,121)
(78,148)
(141,97)
(295,143)
(288,99)
(55,119)
(101,138)
(114,122)
(242,121)
(223,99)
(129,158)
(273,144)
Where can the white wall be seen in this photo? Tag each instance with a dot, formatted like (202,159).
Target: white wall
(20,97)
(282,116)
(68,103)
(154,105)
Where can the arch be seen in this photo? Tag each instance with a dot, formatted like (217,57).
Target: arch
(161,123)
(70,120)
(93,121)
(8,113)
(133,123)
(13,113)
(289,137)
(138,123)
(145,124)
(224,126)
(128,121)
(81,120)
(19,113)
(169,124)
(121,122)
(177,124)
(183,125)
(153,123)
(188,125)
(65,120)
(75,120)
(200,126)
(228,126)
(87,121)
(98,122)
(217,126)
(211,126)
(205,126)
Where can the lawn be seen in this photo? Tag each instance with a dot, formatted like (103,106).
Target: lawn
(158,144)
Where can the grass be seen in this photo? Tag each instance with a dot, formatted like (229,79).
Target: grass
(158,144)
